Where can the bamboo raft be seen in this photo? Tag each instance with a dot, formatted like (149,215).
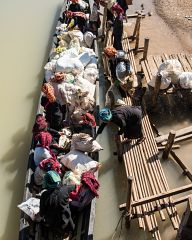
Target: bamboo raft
(148,191)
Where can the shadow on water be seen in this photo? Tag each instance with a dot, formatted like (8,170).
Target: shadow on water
(172,111)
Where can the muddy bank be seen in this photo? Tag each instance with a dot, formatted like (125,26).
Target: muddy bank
(175,13)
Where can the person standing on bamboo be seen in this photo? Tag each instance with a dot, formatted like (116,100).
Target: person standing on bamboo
(127,118)
(94,19)
(117,26)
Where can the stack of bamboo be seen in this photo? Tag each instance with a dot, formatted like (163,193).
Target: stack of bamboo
(142,163)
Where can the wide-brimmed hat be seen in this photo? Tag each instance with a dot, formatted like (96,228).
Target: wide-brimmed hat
(123,69)
(120,54)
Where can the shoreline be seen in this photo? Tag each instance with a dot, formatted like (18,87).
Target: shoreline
(174,13)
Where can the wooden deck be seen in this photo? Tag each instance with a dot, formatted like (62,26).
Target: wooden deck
(150,192)
(151,64)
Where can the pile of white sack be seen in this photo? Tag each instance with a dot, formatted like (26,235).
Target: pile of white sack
(172,73)
(78,62)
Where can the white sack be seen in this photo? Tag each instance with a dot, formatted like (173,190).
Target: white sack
(83,142)
(40,154)
(79,162)
(185,80)
(165,82)
(170,69)
(70,178)
(84,58)
(69,65)
(30,207)
(91,74)
(86,85)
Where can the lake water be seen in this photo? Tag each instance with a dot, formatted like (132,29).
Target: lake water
(26,34)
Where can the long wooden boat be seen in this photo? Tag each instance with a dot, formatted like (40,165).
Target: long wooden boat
(85,220)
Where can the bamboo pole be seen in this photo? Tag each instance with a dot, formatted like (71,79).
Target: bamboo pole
(146,47)
(156,89)
(169,144)
(128,205)
(160,167)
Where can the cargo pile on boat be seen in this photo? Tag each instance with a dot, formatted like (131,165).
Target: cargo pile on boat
(64,130)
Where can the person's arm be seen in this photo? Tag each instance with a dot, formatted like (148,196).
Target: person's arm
(100,129)
(122,128)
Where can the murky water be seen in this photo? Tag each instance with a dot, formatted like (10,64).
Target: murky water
(112,173)
(26,29)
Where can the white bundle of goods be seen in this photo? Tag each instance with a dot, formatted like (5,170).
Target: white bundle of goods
(69,65)
(76,34)
(50,69)
(83,4)
(75,43)
(185,80)
(70,178)
(31,207)
(79,162)
(165,82)
(86,85)
(84,58)
(170,69)
(91,74)
(40,154)
(89,38)
(92,63)
(83,142)
(71,53)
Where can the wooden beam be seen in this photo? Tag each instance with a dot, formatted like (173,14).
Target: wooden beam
(160,196)
(169,144)
(146,46)
(179,139)
(163,205)
(128,204)
(156,89)
(179,133)
(185,229)
(173,147)
(182,165)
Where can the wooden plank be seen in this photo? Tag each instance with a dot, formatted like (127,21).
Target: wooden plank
(145,71)
(182,165)
(179,133)
(189,59)
(184,62)
(179,139)
(163,206)
(148,69)
(159,196)
(169,144)
(166,56)
(152,65)
(158,60)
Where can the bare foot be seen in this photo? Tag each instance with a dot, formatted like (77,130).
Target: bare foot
(126,141)
(140,140)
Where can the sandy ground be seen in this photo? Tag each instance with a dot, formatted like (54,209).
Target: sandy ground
(176,14)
